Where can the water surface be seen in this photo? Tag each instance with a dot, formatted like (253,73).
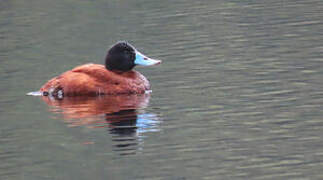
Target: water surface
(239,94)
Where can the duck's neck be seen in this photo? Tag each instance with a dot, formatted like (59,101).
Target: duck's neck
(118,71)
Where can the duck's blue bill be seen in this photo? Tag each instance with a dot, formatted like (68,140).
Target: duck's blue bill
(144,60)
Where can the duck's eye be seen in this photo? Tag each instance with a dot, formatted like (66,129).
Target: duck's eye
(127,54)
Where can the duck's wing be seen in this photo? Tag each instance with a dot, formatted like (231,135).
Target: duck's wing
(94,71)
(82,80)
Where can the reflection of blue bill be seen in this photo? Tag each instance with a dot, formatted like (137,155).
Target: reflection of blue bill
(147,123)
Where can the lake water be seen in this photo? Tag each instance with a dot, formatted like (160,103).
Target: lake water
(239,94)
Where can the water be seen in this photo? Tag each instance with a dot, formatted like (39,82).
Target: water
(238,96)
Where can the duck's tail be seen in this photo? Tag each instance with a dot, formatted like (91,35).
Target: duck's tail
(36,93)
(52,93)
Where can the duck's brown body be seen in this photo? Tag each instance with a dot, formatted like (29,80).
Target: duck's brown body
(95,79)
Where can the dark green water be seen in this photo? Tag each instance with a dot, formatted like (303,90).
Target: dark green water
(239,94)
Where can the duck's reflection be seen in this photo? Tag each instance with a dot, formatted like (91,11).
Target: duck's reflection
(122,115)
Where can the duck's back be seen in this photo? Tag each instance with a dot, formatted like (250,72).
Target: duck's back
(95,79)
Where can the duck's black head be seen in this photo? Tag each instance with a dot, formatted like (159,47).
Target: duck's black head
(124,57)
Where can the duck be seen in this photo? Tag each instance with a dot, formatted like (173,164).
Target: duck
(115,77)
